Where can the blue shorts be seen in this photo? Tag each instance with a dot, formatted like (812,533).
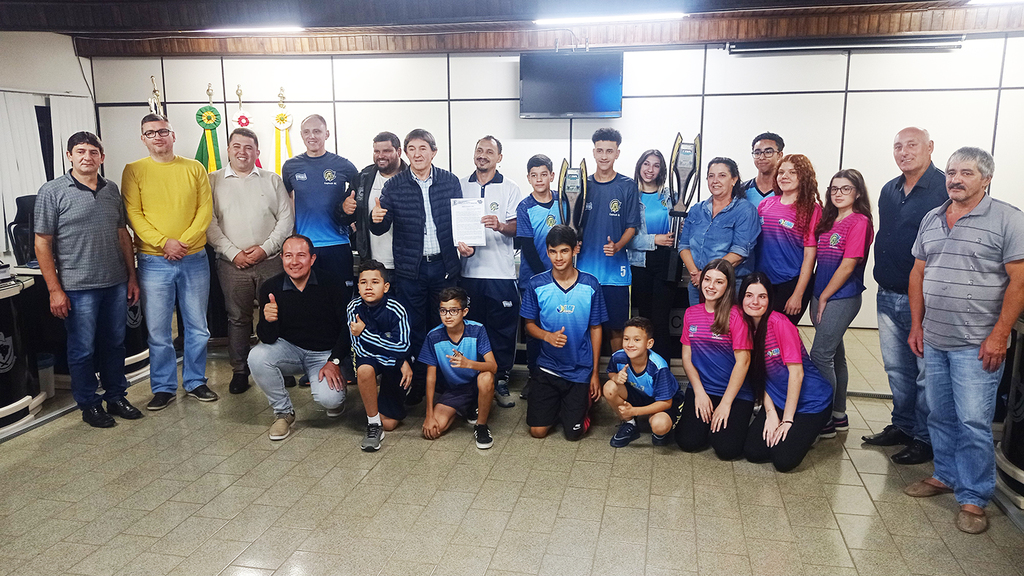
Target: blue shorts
(463,398)
(391,398)
(616,301)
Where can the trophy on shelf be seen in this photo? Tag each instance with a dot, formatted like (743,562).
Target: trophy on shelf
(572,194)
(684,187)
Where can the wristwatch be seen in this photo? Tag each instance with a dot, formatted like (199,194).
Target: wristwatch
(336,361)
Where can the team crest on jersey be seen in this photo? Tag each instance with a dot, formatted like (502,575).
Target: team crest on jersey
(786,223)
(589,206)
(329,175)
(834,239)
(550,220)
(692,329)
(566,308)
(493,206)
(774,352)
(300,176)
(614,206)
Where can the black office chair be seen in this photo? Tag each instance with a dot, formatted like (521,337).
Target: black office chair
(20,230)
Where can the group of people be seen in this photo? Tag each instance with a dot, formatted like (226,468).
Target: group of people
(428,317)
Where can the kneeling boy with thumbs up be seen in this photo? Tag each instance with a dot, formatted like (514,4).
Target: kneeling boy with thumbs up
(564,308)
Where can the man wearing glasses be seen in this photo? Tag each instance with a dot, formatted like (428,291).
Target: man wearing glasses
(169,206)
(766,149)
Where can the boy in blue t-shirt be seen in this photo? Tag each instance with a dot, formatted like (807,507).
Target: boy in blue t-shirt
(640,383)
(609,219)
(461,365)
(564,307)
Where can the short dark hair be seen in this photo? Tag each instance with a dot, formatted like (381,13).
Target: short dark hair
(538,160)
(309,243)
(84,137)
(388,137)
(641,323)
(244,132)
(492,139)
(607,135)
(455,293)
(369,265)
(768,136)
(151,117)
(561,234)
(420,134)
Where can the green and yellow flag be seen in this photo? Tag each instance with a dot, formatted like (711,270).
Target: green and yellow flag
(208,153)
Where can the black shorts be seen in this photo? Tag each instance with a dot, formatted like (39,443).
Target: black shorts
(463,398)
(391,398)
(674,411)
(554,400)
(616,302)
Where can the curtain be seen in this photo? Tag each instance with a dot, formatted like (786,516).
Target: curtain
(21,154)
(69,114)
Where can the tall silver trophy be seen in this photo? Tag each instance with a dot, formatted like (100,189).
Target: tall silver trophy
(572,194)
(684,188)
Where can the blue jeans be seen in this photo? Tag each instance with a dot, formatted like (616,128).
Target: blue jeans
(420,298)
(162,281)
(96,326)
(827,351)
(905,370)
(266,362)
(962,399)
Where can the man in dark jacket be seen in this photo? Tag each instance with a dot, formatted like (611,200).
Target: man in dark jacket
(387,161)
(418,203)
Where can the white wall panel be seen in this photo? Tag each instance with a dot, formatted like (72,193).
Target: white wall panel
(120,131)
(391,78)
(40,62)
(975,65)
(307,78)
(126,79)
(663,72)
(261,117)
(186,80)
(359,122)
(520,138)
(491,76)
(1009,149)
(1013,70)
(741,74)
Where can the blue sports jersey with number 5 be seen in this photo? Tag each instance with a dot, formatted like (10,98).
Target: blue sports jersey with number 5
(610,209)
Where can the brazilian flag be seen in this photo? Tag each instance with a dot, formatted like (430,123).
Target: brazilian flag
(208,153)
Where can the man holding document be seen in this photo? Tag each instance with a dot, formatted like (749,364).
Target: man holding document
(488,267)
(418,203)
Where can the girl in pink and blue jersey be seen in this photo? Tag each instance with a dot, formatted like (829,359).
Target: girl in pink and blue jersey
(796,398)
(844,237)
(716,352)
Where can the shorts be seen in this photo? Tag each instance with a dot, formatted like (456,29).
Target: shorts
(391,398)
(554,400)
(616,302)
(462,398)
(675,411)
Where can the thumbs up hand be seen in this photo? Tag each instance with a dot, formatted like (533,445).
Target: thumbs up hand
(609,248)
(621,377)
(557,339)
(349,205)
(357,327)
(270,310)
(377,214)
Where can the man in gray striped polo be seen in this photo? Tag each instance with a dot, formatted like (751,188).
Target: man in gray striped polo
(966,292)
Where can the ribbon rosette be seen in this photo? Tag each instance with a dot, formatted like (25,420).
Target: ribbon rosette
(208,153)
(282,122)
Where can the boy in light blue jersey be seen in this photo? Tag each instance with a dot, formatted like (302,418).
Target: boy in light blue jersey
(609,218)
(564,308)
(461,366)
(640,383)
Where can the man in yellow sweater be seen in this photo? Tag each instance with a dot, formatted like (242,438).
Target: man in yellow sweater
(169,207)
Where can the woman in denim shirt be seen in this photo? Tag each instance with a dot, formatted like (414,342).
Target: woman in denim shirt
(723,226)
(650,250)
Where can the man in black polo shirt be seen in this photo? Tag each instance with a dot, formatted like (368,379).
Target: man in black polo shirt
(902,204)
(302,327)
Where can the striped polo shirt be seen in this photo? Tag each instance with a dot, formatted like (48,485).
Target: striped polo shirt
(964,273)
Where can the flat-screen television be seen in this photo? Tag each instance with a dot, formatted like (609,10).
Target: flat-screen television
(570,84)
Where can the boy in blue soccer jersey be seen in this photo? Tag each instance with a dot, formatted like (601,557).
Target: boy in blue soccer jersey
(564,308)
(609,218)
(461,365)
(380,338)
(640,383)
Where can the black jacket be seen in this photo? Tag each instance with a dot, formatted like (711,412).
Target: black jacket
(361,217)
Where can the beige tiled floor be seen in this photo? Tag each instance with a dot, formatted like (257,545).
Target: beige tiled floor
(199,489)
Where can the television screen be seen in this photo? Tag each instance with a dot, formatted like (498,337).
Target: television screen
(570,85)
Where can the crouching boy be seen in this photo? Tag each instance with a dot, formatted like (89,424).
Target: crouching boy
(461,367)
(564,308)
(640,383)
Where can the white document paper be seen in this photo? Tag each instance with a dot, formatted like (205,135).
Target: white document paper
(467,227)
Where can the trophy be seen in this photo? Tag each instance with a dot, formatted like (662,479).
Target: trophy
(572,194)
(684,188)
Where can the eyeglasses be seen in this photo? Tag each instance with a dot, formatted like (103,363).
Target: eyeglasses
(449,311)
(767,153)
(163,132)
(842,190)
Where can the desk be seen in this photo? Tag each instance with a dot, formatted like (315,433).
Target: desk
(20,396)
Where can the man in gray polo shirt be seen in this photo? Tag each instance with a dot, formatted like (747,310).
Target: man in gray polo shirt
(252,216)
(966,292)
(86,257)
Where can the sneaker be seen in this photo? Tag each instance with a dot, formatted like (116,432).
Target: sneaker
(374,434)
(160,401)
(335,412)
(841,424)
(473,416)
(282,427)
(304,381)
(289,382)
(501,394)
(483,436)
(627,433)
(239,383)
(829,431)
(203,393)
(659,439)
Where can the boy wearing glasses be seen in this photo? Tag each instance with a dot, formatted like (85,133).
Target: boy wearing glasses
(766,149)
(461,365)
(380,338)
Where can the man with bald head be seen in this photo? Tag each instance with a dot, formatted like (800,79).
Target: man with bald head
(902,204)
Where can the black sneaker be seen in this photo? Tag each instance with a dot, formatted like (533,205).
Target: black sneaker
(482,435)
(289,382)
(121,407)
(473,416)
(304,381)
(239,383)
(626,433)
(659,439)
(95,416)
(160,401)
(203,393)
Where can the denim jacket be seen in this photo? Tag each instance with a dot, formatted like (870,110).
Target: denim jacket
(642,242)
(734,229)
